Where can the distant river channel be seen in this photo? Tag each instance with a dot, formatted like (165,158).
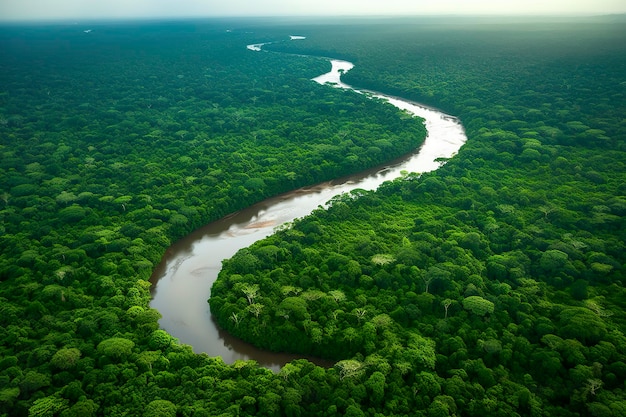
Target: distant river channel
(182,281)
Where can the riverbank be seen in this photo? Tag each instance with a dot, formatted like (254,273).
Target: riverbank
(182,281)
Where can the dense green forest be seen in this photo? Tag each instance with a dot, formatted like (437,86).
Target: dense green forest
(493,286)
(119,141)
(489,287)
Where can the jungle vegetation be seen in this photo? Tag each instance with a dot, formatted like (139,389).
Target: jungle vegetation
(492,286)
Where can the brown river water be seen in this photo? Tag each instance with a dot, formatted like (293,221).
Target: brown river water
(182,281)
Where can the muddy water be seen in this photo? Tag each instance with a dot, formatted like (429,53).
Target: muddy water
(183,279)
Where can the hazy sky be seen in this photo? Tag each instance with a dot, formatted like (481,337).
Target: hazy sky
(78,9)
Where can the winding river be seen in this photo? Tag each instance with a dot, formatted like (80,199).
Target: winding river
(183,279)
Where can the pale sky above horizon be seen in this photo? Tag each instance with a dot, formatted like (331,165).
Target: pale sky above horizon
(106,9)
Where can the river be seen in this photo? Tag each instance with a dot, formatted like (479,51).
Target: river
(183,280)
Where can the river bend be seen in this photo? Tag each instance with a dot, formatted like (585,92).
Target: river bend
(183,280)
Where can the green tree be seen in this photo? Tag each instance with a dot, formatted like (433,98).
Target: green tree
(478,305)
(8,396)
(581,324)
(350,368)
(47,407)
(295,307)
(83,408)
(160,408)
(376,387)
(33,381)
(65,358)
(553,260)
(251,291)
(116,347)
(160,339)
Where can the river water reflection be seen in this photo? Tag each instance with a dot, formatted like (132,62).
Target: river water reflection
(183,279)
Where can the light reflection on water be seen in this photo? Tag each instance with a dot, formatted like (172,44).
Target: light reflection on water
(183,279)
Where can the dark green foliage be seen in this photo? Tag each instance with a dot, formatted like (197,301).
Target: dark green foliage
(511,246)
(160,408)
(115,144)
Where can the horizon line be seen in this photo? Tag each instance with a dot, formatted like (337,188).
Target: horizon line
(76,20)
